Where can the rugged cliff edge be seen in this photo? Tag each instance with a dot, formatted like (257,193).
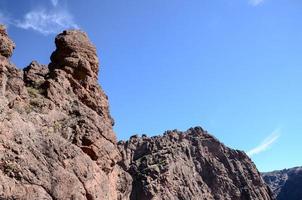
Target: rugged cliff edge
(56,138)
(57,141)
(286,184)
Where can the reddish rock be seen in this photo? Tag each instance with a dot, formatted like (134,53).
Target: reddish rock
(189,165)
(6,44)
(57,141)
(56,137)
(76,55)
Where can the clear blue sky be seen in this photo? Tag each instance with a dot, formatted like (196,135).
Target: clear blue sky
(232,67)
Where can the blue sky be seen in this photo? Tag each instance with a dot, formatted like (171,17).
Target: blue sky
(232,67)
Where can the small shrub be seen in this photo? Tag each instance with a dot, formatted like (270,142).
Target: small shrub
(34,92)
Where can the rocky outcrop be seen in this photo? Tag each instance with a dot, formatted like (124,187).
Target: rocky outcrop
(56,137)
(286,184)
(6,44)
(57,141)
(189,165)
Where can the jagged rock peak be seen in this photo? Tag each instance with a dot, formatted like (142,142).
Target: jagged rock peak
(56,136)
(7,46)
(76,55)
(75,64)
(189,165)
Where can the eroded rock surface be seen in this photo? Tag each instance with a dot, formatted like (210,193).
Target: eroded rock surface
(56,138)
(286,184)
(57,141)
(189,165)
(6,44)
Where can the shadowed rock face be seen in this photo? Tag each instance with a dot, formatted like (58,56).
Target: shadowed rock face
(286,184)
(57,141)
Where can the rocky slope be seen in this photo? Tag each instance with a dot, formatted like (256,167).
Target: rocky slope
(57,141)
(189,165)
(286,184)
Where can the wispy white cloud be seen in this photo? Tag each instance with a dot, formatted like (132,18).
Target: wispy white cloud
(47,22)
(266,143)
(54,2)
(255,2)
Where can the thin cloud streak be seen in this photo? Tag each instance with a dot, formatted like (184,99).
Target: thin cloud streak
(54,2)
(255,2)
(266,143)
(46,22)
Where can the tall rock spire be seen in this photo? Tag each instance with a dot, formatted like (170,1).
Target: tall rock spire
(56,136)
(6,44)
(76,55)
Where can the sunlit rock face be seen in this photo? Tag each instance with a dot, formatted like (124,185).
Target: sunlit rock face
(56,137)
(6,44)
(57,141)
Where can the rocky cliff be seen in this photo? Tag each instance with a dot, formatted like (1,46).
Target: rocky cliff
(286,184)
(189,165)
(56,138)
(57,141)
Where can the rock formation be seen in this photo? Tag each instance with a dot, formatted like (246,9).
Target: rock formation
(189,165)
(7,45)
(56,138)
(57,141)
(286,184)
